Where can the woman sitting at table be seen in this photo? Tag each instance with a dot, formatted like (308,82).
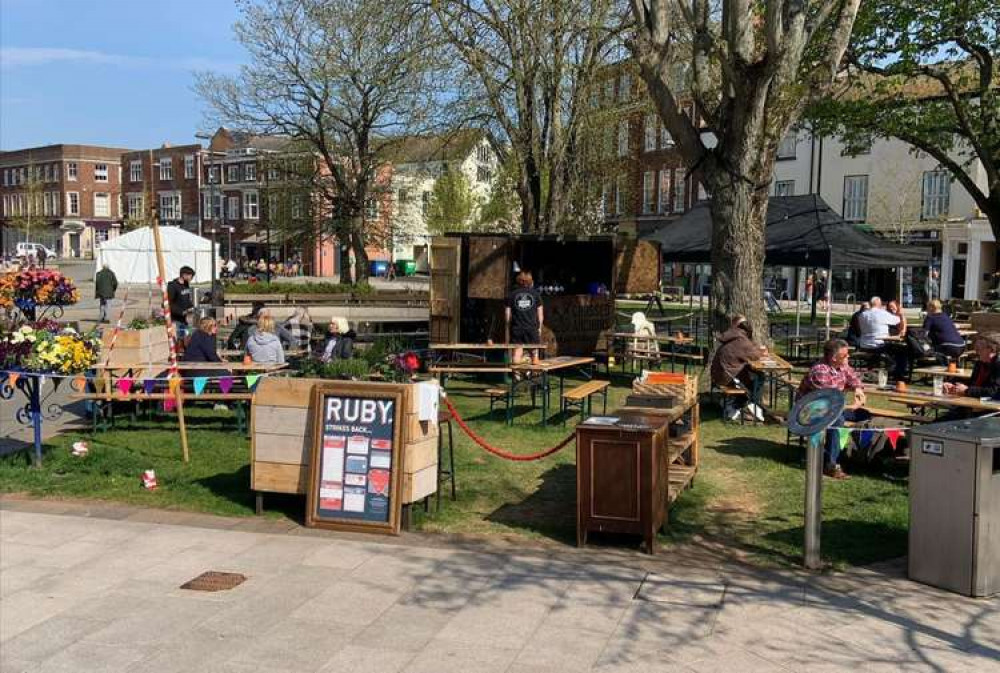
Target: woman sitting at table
(899,329)
(201,343)
(942,332)
(339,341)
(264,346)
(985,379)
(733,357)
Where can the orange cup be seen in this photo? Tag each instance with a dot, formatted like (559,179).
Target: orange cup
(900,386)
(952,367)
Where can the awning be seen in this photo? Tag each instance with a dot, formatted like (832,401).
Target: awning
(75,226)
(801,231)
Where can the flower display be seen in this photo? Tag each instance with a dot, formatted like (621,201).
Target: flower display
(36,287)
(45,347)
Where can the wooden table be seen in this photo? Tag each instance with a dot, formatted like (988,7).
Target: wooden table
(442,368)
(971,403)
(484,347)
(537,375)
(776,370)
(963,374)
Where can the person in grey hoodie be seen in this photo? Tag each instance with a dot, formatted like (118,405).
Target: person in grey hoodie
(263,345)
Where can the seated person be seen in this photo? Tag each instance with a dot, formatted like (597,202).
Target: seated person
(875,324)
(941,331)
(264,346)
(244,325)
(736,351)
(299,328)
(834,373)
(985,379)
(854,326)
(894,308)
(201,343)
(339,343)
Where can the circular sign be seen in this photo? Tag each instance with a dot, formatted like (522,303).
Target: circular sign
(815,412)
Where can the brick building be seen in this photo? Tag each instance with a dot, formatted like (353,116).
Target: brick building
(68,196)
(168,180)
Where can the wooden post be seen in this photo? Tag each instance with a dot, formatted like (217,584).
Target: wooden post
(161,272)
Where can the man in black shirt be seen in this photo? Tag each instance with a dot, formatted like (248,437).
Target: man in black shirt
(180,297)
(524,315)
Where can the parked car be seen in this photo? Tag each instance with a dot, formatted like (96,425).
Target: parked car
(31,250)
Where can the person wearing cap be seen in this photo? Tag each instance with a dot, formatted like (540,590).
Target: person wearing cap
(180,298)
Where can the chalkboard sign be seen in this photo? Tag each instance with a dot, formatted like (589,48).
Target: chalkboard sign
(356,466)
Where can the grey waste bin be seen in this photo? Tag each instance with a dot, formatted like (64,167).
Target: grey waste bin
(955,506)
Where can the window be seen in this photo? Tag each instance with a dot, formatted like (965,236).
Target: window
(425,203)
(251,206)
(663,205)
(166,168)
(72,203)
(212,206)
(297,208)
(623,138)
(625,86)
(371,209)
(606,200)
(102,204)
(250,172)
(666,140)
(233,207)
(170,205)
(483,154)
(936,196)
(648,191)
(649,136)
(135,171)
(784,188)
(272,174)
(855,198)
(100,172)
(858,147)
(100,235)
(213,175)
(680,191)
(55,172)
(232,173)
(5,206)
(47,172)
(483,174)
(71,171)
(135,206)
(786,148)
(189,167)
(6,177)
(46,204)
(403,196)
(619,195)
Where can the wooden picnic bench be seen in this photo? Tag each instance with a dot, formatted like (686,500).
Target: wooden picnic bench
(582,397)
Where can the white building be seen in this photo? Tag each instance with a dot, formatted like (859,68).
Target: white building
(416,167)
(905,195)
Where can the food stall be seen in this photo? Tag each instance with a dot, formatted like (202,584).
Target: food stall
(578,277)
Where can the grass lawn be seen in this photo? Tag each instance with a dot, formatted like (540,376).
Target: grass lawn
(748,495)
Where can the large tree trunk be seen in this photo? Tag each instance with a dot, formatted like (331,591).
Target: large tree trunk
(360,255)
(738,223)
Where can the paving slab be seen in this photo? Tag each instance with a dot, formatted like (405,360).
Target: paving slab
(86,593)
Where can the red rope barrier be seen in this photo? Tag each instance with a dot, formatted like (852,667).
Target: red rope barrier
(500,452)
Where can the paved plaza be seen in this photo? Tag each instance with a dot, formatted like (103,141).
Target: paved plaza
(95,588)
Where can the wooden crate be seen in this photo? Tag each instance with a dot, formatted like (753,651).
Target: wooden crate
(281,424)
(419,485)
(135,346)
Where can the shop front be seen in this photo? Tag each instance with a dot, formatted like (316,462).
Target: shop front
(968,260)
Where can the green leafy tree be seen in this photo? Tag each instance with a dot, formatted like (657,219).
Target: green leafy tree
(452,203)
(925,72)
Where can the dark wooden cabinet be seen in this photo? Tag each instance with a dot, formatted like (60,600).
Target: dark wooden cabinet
(628,473)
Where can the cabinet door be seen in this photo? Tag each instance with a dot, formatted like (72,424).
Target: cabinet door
(614,482)
(489,266)
(446,257)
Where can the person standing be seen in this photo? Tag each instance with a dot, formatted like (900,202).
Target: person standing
(42,256)
(181,299)
(105,287)
(524,316)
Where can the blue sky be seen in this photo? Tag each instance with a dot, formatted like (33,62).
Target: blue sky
(109,72)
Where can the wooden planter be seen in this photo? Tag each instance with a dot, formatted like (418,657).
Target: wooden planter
(281,433)
(135,346)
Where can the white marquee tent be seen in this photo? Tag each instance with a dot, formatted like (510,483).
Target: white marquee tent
(132,256)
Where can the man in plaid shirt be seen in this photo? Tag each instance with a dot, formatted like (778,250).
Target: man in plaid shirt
(833,373)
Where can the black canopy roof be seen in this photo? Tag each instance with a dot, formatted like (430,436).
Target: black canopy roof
(801,231)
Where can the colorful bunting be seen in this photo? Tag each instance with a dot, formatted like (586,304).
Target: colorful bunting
(125,385)
(893,435)
(174,384)
(148,386)
(226,384)
(80,382)
(199,384)
(866,438)
(169,404)
(14,376)
(844,438)
(251,380)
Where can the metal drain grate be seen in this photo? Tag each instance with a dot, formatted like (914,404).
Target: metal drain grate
(213,580)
